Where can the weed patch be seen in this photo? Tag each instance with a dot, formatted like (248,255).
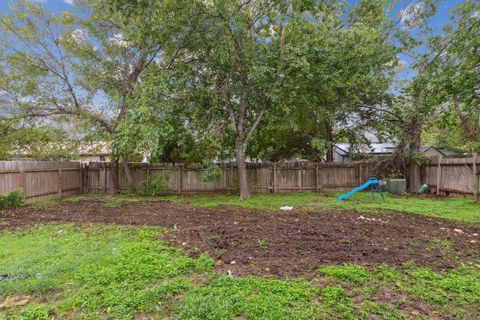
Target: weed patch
(12,199)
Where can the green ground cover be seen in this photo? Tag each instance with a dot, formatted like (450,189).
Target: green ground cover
(104,272)
(458,208)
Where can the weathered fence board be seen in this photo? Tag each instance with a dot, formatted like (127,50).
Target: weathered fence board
(455,175)
(263,177)
(54,179)
(41,179)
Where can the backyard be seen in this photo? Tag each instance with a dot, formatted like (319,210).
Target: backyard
(215,257)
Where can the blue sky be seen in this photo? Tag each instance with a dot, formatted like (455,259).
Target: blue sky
(436,22)
(60,5)
(57,5)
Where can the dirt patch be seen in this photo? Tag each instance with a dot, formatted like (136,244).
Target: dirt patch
(280,244)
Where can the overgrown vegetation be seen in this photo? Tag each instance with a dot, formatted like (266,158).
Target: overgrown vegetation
(155,186)
(94,270)
(97,272)
(12,199)
(458,208)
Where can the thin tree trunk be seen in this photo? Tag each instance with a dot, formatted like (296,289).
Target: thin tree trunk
(242,170)
(128,172)
(414,174)
(329,136)
(330,153)
(114,176)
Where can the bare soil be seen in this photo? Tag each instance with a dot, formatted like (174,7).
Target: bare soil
(279,244)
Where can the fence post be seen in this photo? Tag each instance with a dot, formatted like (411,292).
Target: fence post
(439,174)
(23,183)
(224,176)
(316,176)
(86,183)
(179,179)
(274,177)
(81,178)
(475,178)
(60,182)
(105,178)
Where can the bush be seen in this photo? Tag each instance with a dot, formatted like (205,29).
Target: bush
(11,199)
(129,189)
(155,186)
(234,189)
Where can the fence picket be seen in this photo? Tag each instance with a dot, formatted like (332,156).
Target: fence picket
(44,179)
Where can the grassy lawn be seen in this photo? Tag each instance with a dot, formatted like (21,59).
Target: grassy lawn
(102,272)
(459,208)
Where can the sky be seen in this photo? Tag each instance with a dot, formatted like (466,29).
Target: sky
(61,5)
(436,22)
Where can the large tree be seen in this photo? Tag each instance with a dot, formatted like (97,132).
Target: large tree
(410,112)
(77,68)
(230,75)
(253,63)
(342,64)
(457,75)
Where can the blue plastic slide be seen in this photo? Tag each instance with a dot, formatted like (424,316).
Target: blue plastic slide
(373,181)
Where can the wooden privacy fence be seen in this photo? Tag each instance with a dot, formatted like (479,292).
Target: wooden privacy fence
(54,179)
(262,177)
(41,179)
(457,175)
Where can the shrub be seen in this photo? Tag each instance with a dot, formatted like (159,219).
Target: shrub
(11,199)
(129,189)
(155,186)
(234,189)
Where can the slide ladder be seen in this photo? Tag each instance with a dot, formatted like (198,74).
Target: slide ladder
(372,182)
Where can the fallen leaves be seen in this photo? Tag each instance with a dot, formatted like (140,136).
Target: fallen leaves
(14,301)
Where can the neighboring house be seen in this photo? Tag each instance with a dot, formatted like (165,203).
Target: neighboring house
(342,151)
(94,151)
(74,151)
(433,151)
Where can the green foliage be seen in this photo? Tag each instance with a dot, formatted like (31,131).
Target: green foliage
(457,208)
(43,203)
(234,189)
(211,171)
(456,78)
(337,302)
(12,199)
(352,273)
(34,312)
(108,200)
(154,186)
(94,270)
(252,298)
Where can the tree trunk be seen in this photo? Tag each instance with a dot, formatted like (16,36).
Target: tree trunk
(330,153)
(329,136)
(414,175)
(128,172)
(115,185)
(242,170)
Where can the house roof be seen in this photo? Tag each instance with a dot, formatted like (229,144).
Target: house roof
(343,149)
(443,150)
(84,148)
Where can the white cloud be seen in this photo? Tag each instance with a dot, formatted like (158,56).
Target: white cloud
(476,14)
(410,16)
(69,2)
(402,64)
(119,40)
(79,35)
